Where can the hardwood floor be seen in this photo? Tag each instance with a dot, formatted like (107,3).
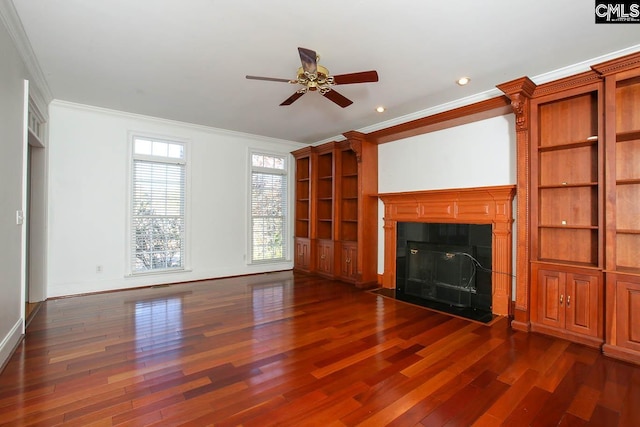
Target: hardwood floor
(284,349)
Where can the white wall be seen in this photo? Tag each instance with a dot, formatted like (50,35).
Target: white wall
(478,154)
(12,146)
(89,161)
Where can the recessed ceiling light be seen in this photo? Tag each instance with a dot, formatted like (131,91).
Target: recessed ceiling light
(380,109)
(463,81)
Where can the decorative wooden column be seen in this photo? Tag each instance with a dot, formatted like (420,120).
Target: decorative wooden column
(390,237)
(367,256)
(520,92)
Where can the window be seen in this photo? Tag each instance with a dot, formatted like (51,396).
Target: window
(268,207)
(158,206)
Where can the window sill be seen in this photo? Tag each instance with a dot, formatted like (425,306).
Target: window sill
(158,272)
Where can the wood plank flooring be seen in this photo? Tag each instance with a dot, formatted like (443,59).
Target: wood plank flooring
(285,349)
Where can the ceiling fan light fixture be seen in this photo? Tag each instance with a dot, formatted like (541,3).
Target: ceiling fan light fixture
(313,77)
(319,81)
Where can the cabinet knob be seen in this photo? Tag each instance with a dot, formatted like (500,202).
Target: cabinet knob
(561,299)
(348,260)
(568,300)
(322,256)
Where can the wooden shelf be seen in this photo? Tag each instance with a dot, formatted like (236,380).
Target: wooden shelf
(568,146)
(549,262)
(628,270)
(568,185)
(627,136)
(628,181)
(569,227)
(623,231)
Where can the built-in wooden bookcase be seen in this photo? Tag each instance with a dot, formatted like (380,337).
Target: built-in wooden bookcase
(622,266)
(349,196)
(324,194)
(324,205)
(303,197)
(568,178)
(627,175)
(336,210)
(302,216)
(347,254)
(567,219)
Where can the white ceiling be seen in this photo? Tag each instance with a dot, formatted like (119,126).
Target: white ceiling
(187,60)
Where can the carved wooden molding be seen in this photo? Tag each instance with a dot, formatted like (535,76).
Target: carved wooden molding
(480,205)
(520,92)
(618,65)
(355,140)
(577,80)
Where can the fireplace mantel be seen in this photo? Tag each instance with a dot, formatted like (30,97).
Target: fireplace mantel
(479,205)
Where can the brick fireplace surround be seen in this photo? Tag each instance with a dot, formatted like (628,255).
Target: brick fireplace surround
(480,205)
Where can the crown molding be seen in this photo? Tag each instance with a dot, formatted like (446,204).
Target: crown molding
(176,123)
(583,66)
(39,88)
(618,65)
(561,73)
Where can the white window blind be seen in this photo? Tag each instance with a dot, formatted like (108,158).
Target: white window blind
(158,206)
(268,207)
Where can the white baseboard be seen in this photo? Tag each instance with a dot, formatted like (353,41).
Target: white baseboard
(9,343)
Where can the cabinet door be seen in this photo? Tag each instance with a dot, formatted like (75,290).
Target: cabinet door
(348,261)
(628,314)
(325,258)
(582,302)
(551,298)
(303,254)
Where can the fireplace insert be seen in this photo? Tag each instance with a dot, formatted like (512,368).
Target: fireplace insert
(448,264)
(444,273)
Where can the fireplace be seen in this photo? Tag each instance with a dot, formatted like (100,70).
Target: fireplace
(449,231)
(445,263)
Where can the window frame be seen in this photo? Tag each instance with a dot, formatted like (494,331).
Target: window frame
(129,240)
(286,227)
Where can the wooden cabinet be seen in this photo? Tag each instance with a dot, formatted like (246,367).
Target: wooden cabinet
(578,142)
(568,304)
(567,214)
(623,321)
(302,260)
(302,216)
(622,265)
(336,194)
(349,262)
(324,262)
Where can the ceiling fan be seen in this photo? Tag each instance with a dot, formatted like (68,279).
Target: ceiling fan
(314,77)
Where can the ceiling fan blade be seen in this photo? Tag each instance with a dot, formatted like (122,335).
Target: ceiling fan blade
(309,59)
(293,98)
(337,98)
(361,77)
(269,79)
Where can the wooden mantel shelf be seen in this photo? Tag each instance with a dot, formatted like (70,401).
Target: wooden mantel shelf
(479,205)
